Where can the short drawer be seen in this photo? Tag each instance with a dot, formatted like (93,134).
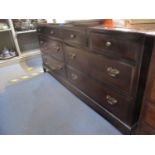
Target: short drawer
(48,31)
(116,104)
(51,47)
(149,115)
(114,72)
(56,67)
(121,46)
(55,49)
(74,36)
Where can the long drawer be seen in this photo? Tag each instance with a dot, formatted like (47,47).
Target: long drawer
(57,67)
(101,68)
(124,46)
(116,104)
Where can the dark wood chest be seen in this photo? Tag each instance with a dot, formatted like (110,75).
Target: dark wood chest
(106,69)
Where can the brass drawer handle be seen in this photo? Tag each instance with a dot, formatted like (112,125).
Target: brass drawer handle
(108,43)
(72,55)
(41,42)
(113,71)
(72,36)
(57,67)
(111,100)
(52,32)
(74,76)
(57,48)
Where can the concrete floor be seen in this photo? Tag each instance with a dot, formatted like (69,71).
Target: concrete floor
(33,102)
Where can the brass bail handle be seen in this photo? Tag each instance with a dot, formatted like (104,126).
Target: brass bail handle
(111,100)
(72,55)
(113,72)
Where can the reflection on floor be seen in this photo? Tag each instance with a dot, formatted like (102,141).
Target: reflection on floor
(41,105)
(20,71)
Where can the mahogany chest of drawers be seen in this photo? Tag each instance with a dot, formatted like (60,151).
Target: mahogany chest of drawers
(106,69)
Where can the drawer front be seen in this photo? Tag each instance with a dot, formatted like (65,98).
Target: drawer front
(101,68)
(149,115)
(106,98)
(48,31)
(52,48)
(74,37)
(55,66)
(123,47)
